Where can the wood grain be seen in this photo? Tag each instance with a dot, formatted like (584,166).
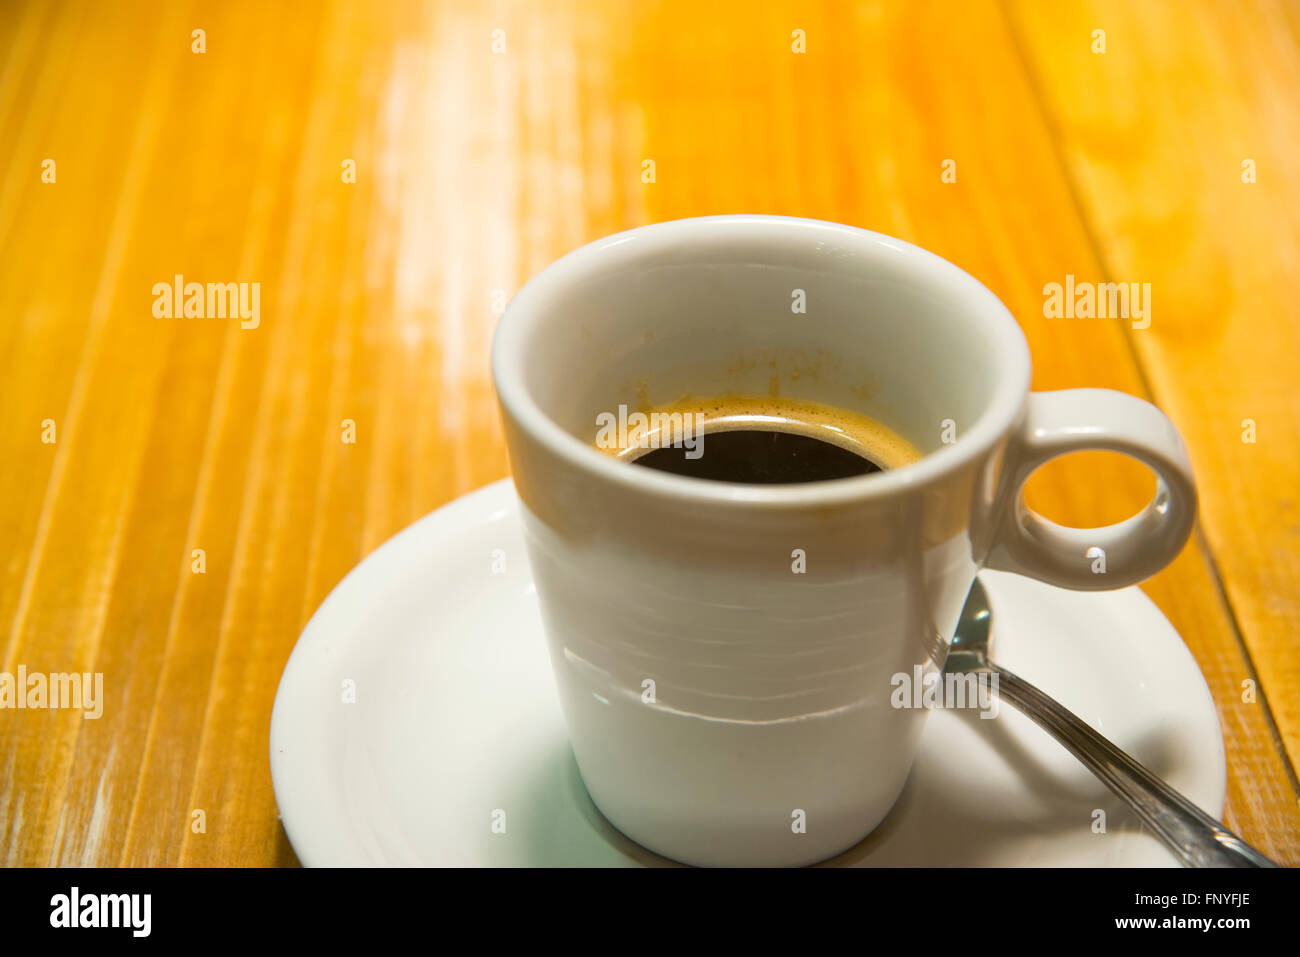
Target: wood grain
(1173,115)
(474,170)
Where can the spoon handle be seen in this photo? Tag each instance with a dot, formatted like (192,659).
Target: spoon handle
(1196,838)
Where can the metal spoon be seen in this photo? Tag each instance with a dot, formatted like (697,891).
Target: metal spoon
(1196,838)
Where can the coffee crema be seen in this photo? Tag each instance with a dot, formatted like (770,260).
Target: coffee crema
(758,440)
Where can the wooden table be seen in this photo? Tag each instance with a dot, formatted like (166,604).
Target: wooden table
(129,441)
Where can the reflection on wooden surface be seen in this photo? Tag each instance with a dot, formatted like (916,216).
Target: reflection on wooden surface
(473,170)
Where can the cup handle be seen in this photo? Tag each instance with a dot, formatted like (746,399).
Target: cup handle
(1093,559)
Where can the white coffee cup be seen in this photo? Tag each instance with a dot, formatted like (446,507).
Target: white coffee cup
(724,707)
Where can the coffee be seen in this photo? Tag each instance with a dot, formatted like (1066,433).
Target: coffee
(761,457)
(758,440)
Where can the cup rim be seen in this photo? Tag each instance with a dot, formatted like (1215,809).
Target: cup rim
(509,359)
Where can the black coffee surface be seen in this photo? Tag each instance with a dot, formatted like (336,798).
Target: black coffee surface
(760,457)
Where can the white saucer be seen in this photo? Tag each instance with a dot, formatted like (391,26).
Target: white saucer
(455,718)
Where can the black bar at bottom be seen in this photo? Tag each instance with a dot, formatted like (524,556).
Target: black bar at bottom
(658,909)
